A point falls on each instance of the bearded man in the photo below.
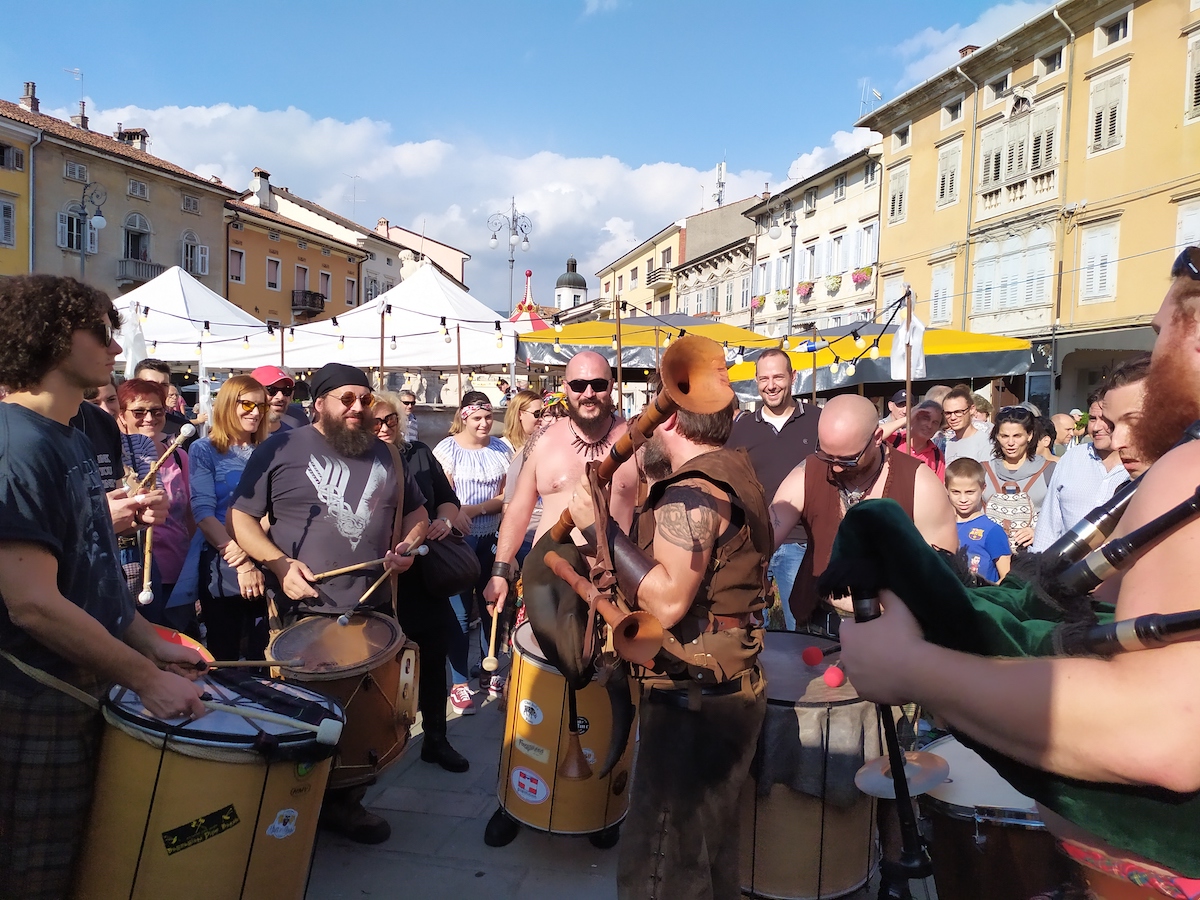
(555, 458)
(330, 491)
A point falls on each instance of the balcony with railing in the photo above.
(658, 278)
(306, 304)
(137, 271)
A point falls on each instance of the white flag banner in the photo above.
(909, 334)
(133, 340)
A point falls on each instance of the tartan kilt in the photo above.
(48, 750)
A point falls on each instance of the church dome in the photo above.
(571, 278)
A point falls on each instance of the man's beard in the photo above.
(655, 462)
(352, 443)
(1171, 404)
(591, 415)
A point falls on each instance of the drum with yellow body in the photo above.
(536, 732)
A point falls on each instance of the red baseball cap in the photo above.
(269, 375)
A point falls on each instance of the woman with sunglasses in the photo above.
(525, 415)
(143, 412)
(1017, 478)
(475, 463)
(428, 620)
(231, 587)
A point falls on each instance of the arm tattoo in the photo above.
(688, 518)
(775, 525)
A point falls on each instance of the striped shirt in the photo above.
(476, 476)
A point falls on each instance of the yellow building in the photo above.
(642, 278)
(16, 184)
(283, 271)
(1042, 186)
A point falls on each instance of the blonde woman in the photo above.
(521, 419)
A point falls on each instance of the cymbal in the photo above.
(924, 771)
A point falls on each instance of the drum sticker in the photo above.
(284, 825)
(304, 769)
(529, 748)
(582, 725)
(590, 756)
(529, 785)
(200, 830)
(531, 712)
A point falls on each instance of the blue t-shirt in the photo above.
(985, 542)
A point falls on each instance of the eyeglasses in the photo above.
(349, 398)
(152, 411)
(955, 413)
(579, 385)
(286, 390)
(408, 402)
(390, 420)
(103, 332)
(1187, 263)
(249, 406)
(845, 462)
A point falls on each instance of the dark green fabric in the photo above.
(878, 546)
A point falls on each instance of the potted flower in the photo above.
(759, 302)
(781, 298)
(804, 289)
(833, 283)
(861, 277)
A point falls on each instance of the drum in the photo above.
(213, 808)
(535, 738)
(807, 831)
(1110, 876)
(371, 670)
(988, 840)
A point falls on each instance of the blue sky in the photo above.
(605, 118)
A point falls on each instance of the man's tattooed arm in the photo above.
(688, 517)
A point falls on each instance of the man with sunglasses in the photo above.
(330, 491)
(554, 461)
(1131, 721)
(66, 621)
(408, 400)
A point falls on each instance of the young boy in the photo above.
(985, 542)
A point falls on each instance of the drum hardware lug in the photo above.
(373, 758)
(980, 839)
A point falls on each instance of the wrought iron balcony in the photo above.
(137, 271)
(306, 304)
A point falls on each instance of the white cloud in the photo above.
(593, 208)
(841, 145)
(930, 51)
(591, 7)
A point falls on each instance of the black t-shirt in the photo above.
(101, 429)
(429, 476)
(51, 494)
(326, 510)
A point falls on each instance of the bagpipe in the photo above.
(570, 602)
(1042, 609)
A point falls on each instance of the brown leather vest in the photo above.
(823, 513)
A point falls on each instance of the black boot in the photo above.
(436, 749)
(893, 884)
(342, 811)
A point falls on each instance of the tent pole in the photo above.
(382, 383)
(814, 364)
(281, 340)
(908, 306)
(620, 375)
(458, 342)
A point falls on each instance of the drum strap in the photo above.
(398, 464)
(50, 681)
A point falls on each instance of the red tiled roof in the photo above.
(102, 143)
(269, 216)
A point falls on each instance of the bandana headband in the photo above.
(474, 407)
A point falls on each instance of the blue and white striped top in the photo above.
(476, 475)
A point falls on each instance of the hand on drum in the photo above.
(168, 696)
(880, 653)
(397, 560)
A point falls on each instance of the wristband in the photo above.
(502, 570)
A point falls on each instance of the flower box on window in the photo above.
(781, 298)
(804, 289)
(833, 283)
(861, 277)
(759, 302)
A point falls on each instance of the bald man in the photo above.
(1064, 432)
(555, 458)
(852, 464)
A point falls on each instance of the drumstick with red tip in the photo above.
(813, 656)
(834, 676)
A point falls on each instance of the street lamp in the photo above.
(774, 232)
(518, 228)
(94, 195)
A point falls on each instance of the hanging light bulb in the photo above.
(851, 369)
(614, 342)
(447, 338)
(874, 351)
(666, 342)
(336, 325)
(557, 324)
(443, 326)
(858, 340)
(834, 367)
(153, 347)
(197, 348)
(206, 334)
(342, 343)
(189, 370)
(393, 344)
(246, 342)
(388, 310)
(741, 355)
(142, 313)
(291, 335)
(557, 345)
(547, 368)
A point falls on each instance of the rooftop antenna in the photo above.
(702, 196)
(77, 74)
(353, 195)
(868, 98)
(719, 195)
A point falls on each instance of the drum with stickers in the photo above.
(371, 670)
(530, 789)
(223, 806)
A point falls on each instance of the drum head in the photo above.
(527, 643)
(791, 682)
(331, 651)
(973, 784)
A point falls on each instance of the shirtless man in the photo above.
(554, 461)
(1081, 717)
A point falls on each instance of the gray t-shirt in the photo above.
(976, 444)
(1037, 489)
(326, 510)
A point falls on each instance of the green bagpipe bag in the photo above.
(877, 546)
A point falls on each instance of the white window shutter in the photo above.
(1187, 232)
(64, 226)
(202, 259)
(1193, 84)
(8, 224)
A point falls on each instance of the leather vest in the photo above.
(822, 515)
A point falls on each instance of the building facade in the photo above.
(570, 290)
(156, 214)
(643, 278)
(451, 260)
(1042, 186)
(16, 192)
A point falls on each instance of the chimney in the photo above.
(382, 226)
(260, 188)
(81, 120)
(138, 138)
(967, 51)
(29, 99)
(766, 195)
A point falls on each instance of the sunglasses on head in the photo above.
(349, 398)
(390, 420)
(1187, 263)
(286, 389)
(1015, 413)
(845, 462)
(579, 385)
(249, 406)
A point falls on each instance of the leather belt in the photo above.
(741, 620)
(679, 696)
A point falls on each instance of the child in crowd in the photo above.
(985, 542)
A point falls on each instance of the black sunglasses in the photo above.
(408, 402)
(846, 462)
(1014, 414)
(286, 390)
(103, 332)
(579, 385)
(1187, 263)
(390, 420)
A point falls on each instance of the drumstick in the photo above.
(490, 664)
(344, 618)
(419, 550)
(204, 665)
(146, 597)
(328, 732)
(184, 433)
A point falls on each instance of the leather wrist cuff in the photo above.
(502, 570)
(632, 563)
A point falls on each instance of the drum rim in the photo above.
(528, 655)
(786, 703)
(348, 671)
(993, 815)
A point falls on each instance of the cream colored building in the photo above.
(714, 277)
(642, 279)
(451, 260)
(156, 213)
(1042, 186)
(816, 249)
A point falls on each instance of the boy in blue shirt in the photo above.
(984, 541)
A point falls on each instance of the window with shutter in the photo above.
(729, 296)
(202, 260)
(985, 280)
(1099, 250)
(1042, 142)
(1108, 128)
(992, 150)
(1187, 229)
(939, 301)
(897, 206)
(8, 225)
(1193, 80)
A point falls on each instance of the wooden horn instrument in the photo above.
(574, 765)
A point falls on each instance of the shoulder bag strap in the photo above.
(50, 681)
(1036, 475)
(398, 524)
(987, 467)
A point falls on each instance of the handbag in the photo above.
(450, 567)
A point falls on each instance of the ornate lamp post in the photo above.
(94, 196)
(789, 212)
(518, 228)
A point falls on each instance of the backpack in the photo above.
(1010, 506)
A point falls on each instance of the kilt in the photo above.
(48, 750)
